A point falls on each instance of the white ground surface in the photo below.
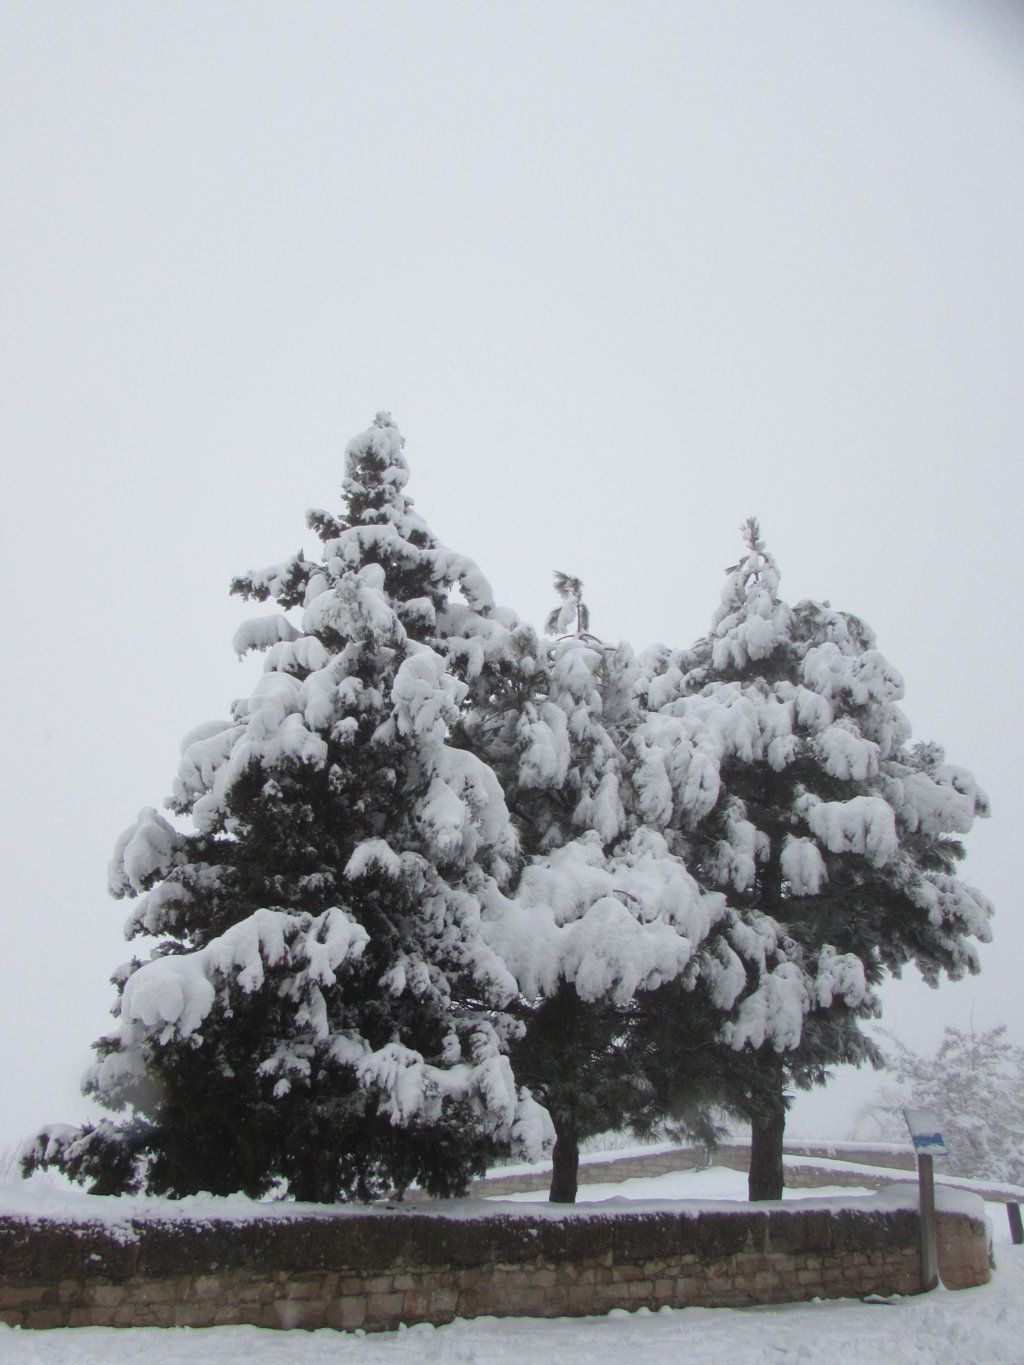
(710, 1186)
(971, 1326)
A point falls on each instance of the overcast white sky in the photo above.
(625, 273)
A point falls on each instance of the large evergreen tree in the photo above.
(605, 911)
(787, 764)
(321, 1011)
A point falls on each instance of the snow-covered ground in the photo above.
(708, 1186)
(970, 1327)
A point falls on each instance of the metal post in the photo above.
(929, 1238)
(1016, 1227)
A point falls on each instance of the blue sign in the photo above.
(925, 1131)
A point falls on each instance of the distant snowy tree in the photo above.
(975, 1084)
(776, 747)
(322, 1008)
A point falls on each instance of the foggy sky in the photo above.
(624, 273)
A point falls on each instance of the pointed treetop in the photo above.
(753, 581)
(751, 529)
(374, 463)
(750, 620)
(378, 525)
(572, 616)
(757, 564)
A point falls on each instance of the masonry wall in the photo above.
(382, 1268)
(660, 1162)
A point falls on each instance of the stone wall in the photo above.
(377, 1269)
(660, 1161)
(593, 1172)
(861, 1153)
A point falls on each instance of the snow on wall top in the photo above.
(29, 1201)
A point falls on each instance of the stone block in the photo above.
(20, 1296)
(126, 1315)
(584, 1302)
(345, 1314)
(691, 1289)
(80, 1317)
(234, 1314)
(193, 1314)
(150, 1291)
(759, 1264)
(520, 1302)
(384, 1308)
(103, 1295)
(377, 1284)
(963, 1251)
(53, 1316)
(247, 1299)
(292, 1313)
(720, 1270)
(306, 1287)
(416, 1306)
(265, 1316)
(615, 1292)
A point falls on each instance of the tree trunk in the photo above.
(767, 1128)
(313, 1187)
(565, 1160)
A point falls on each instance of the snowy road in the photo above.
(970, 1327)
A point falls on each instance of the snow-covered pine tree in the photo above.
(604, 910)
(321, 1009)
(781, 753)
